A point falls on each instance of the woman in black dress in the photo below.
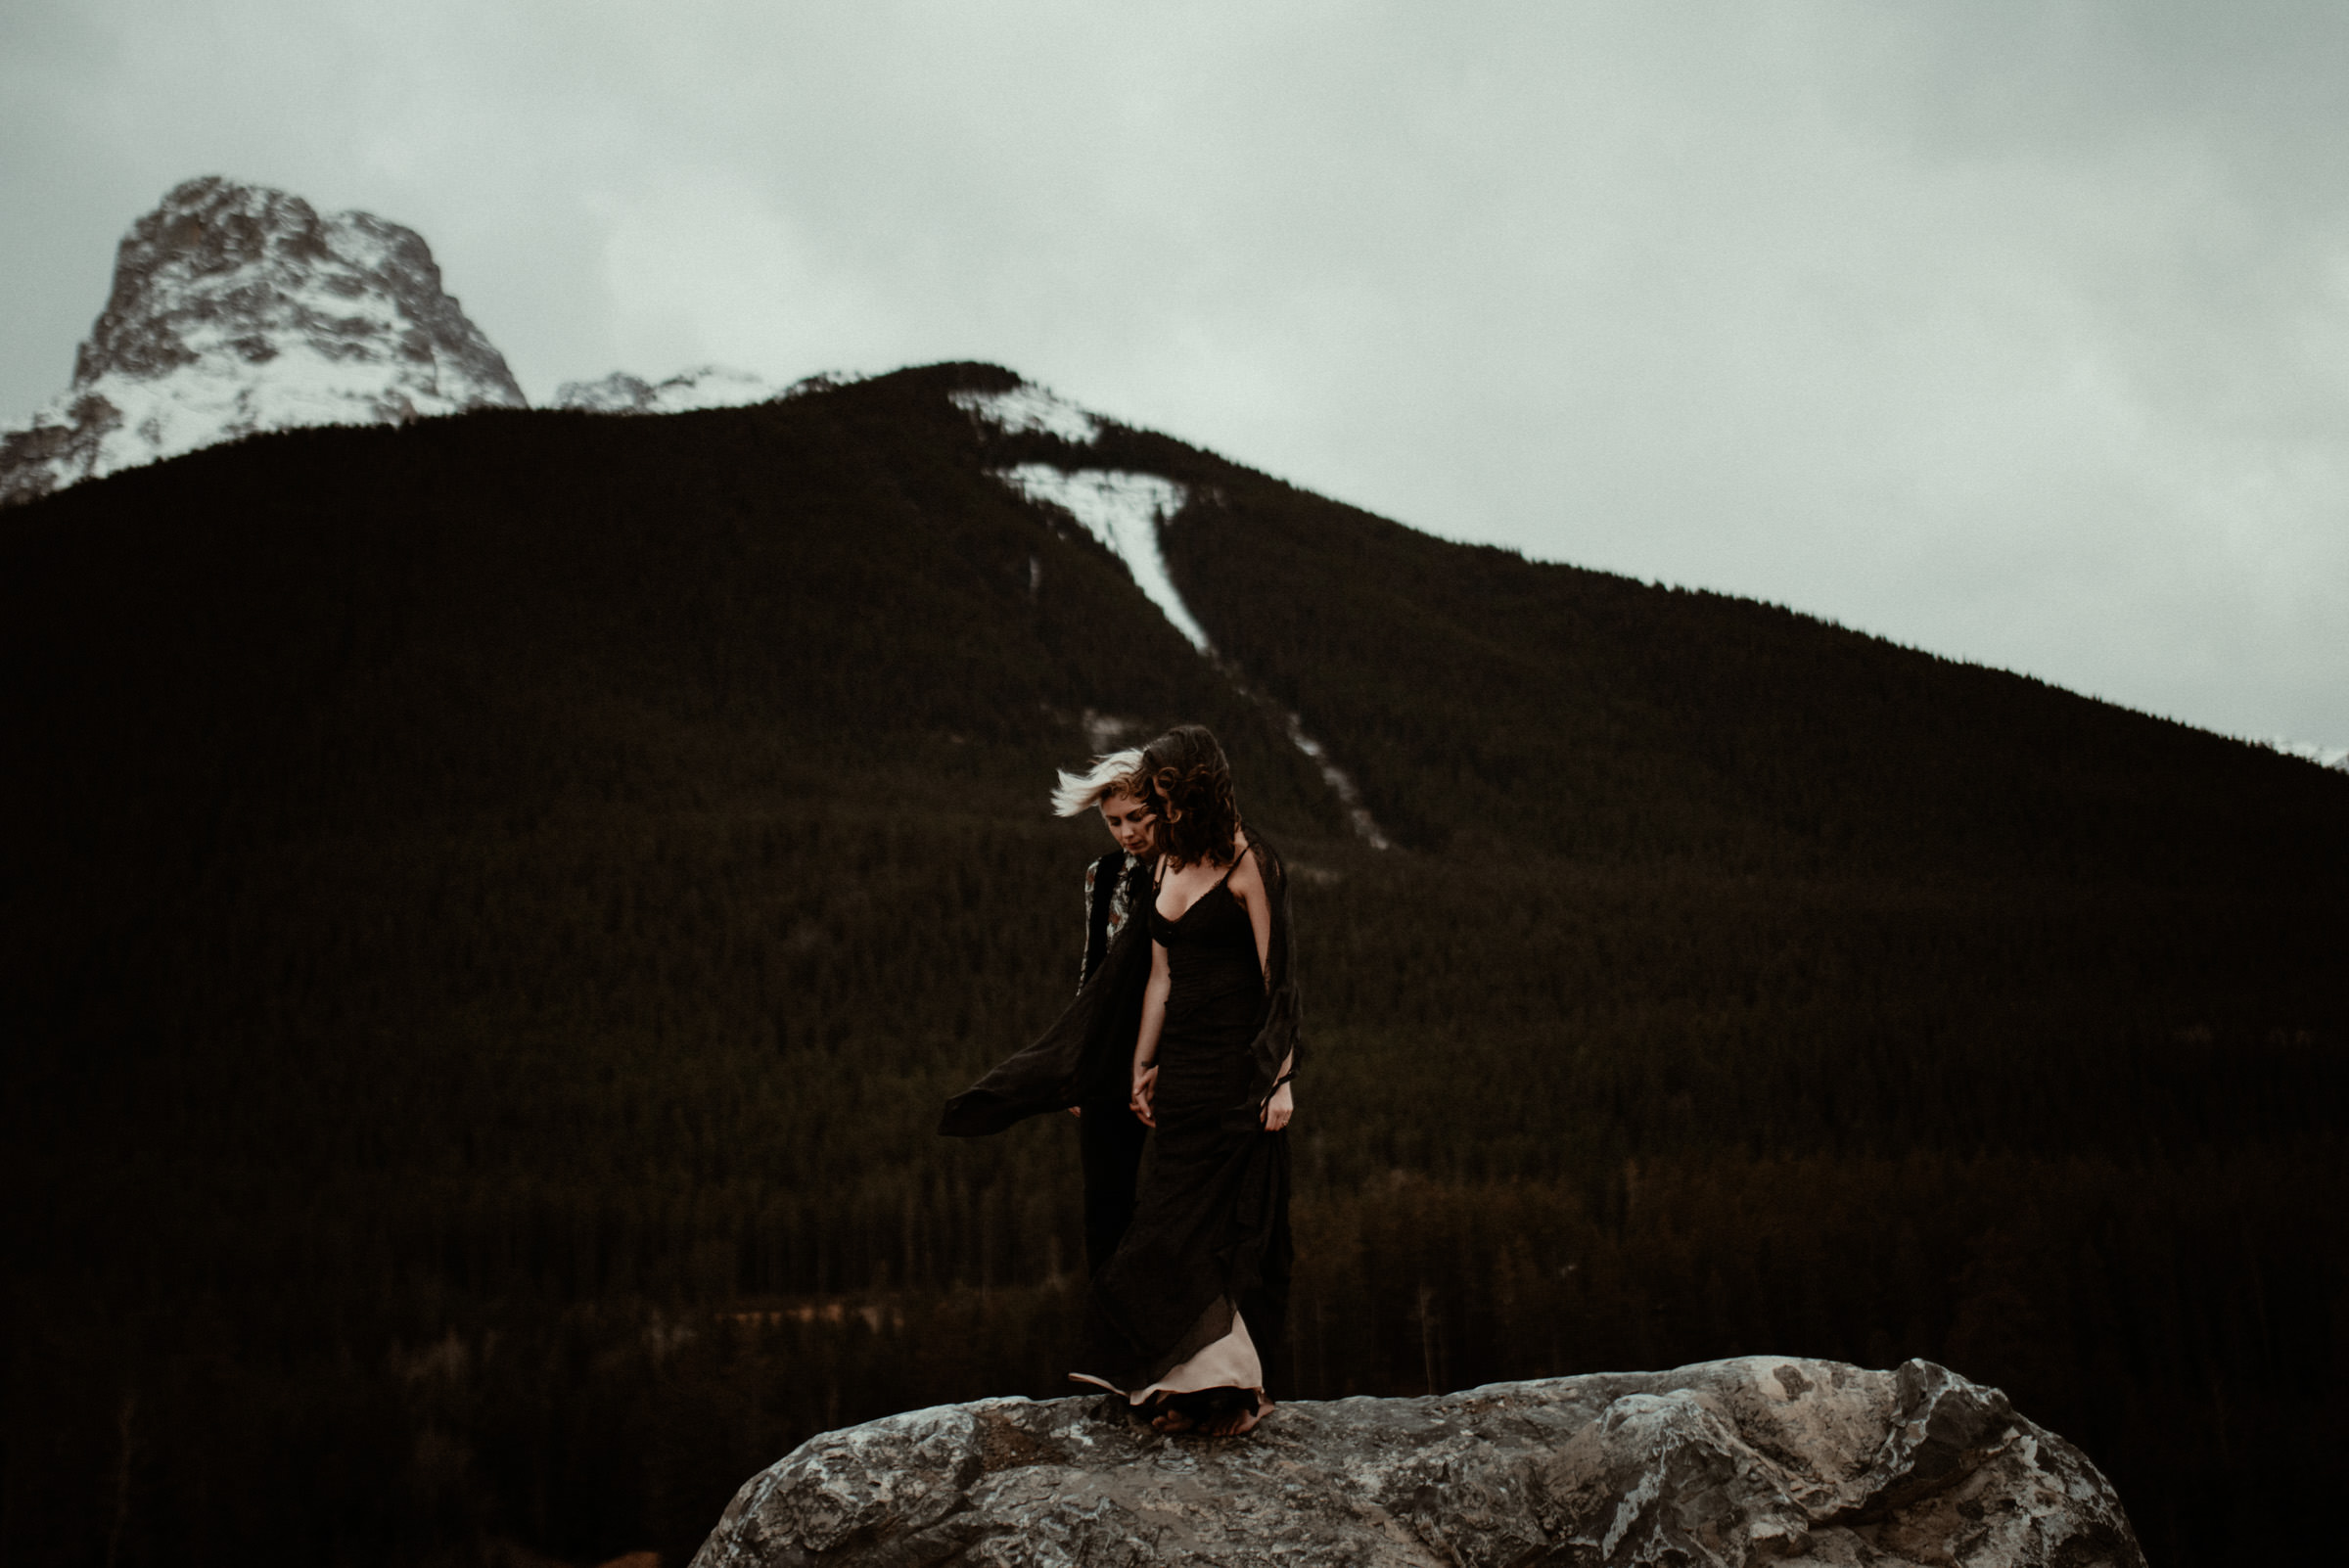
(1198, 1014)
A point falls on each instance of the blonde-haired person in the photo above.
(1112, 787)
(1111, 1136)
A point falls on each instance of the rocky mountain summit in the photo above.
(239, 308)
(1764, 1458)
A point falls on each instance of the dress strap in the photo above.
(1246, 850)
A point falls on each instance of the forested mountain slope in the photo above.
(495, 903)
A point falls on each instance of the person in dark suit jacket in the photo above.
(1110, 1136)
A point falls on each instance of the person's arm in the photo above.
(1145, 1044)
(1248, 885)
(1282, 1104)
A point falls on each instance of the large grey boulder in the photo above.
(1761, 1459)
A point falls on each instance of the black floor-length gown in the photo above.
(1209, 1238)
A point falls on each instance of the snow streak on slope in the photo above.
(1030, 407)
(1340, 784)
(1122, 511)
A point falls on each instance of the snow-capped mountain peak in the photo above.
(703, 387)
(237, 308)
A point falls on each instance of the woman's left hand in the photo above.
(1279, 1108)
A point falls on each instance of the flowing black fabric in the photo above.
(1087, 1053)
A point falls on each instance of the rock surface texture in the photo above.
(1761, 1459)
(237, 308)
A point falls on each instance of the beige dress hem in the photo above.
(1227, 1362)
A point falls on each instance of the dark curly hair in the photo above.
(1190, 789)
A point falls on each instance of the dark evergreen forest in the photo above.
(493, 907)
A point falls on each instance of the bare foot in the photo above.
(1239, 1422)
(1171, 1422)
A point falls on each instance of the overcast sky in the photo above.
(2016, 332)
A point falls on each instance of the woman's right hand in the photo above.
(1145, 1084)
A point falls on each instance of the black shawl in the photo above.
(1086, 1056)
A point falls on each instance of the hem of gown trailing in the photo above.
(1230, 1362)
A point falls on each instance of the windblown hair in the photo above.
(1190, 785)
(1118, 774)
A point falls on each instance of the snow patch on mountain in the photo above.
(1028, 408)
(1340, 784)
(1124, 512)
(824, 381)
(703, 387)
(237, 308)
